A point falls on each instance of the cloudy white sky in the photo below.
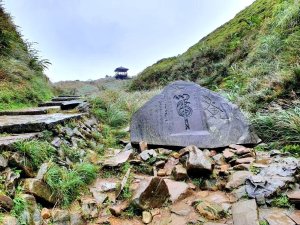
(87, 39)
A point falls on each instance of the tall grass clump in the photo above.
(281, 126)
(67, 184)
(114, 109)
(37, 151)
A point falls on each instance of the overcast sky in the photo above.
(87, 39)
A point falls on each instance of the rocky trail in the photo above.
(141, 184)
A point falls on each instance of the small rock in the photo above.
(60, 216)
(242, 167)
(240, 150)
(239, 193)
(179, 172)
(228, 154)
(247, 160)
(9, 220)
(279, 219)
(245, 213)
(260, 200)
(161, 172)
(177, 190)
(294, 197)
(143, 146)
(275, 152)
(147, 217)
(23, 163)
(219, 159)
(3, 162)
(160, 164)
(117, 210)
(42, 171)
(198, 163)
(169, 166)
(45, 213)
(39, 189)
(176, 155)
(237, 179)
(147, 154)
(89, 208)
(209, 210)
(31, 213)
(5, 202)
(152, 193)
(118, 159)
(56, 142)
(164, 151)
(295, 216)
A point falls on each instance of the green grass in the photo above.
(19, 205)
(281, 201)
(281, 126)
(20, 68)
(69, 184)
(254, 58)
(37, 151)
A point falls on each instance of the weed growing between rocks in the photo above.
(38, 151)
(67, 184)
(282, 201)
(19, 205)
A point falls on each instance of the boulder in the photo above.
(176, 189)
(198, 163)
(152, 193)
(188, 114)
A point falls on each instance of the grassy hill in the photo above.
(22, 82)
(90, 88)
(254, 58)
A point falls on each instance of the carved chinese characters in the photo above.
(187, 114)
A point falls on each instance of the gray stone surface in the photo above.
(7, 141)
(245, 213)
(187, 114)
(33, 123)
(31, 111)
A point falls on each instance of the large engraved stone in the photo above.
(187, 114)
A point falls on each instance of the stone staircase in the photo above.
(16, 125)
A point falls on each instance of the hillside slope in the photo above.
(254, 57)
(22, 82)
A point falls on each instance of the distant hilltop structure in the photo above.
(121, 73)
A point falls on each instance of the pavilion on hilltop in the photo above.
(121, 73)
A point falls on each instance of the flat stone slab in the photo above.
(65, 98)
(7, 141)
(31, 111)
(188, 114)
(33, 123)
(245, 213)
(64, 105)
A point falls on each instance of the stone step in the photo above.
(65, 105)
(33, 123)
(7, 141)
(62, 99)
(69, 96)
(32, 111)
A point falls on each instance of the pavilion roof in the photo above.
(121, 69)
